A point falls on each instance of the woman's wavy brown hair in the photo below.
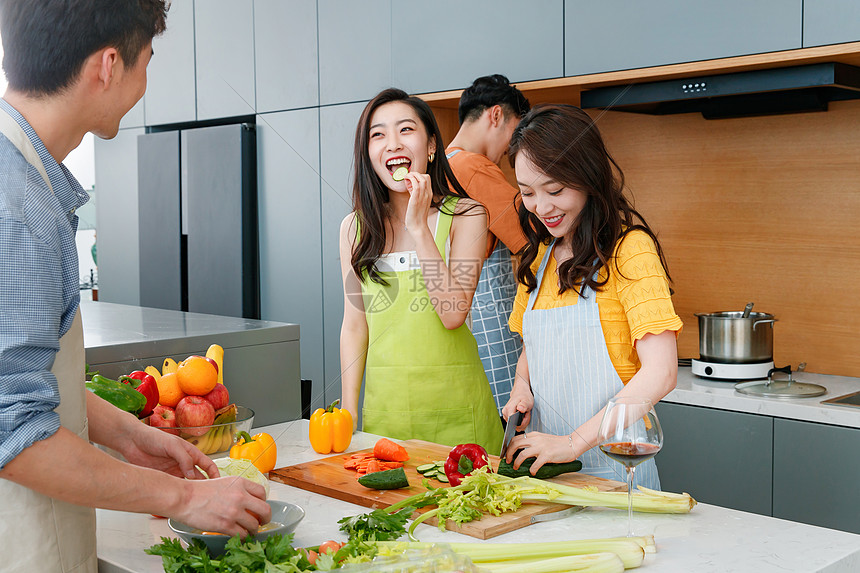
(369, 193)
(563, 143)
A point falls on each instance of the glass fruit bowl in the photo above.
(221, 435)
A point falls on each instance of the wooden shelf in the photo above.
(567, 90)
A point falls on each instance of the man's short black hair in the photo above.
(46, 42)
(487, 91)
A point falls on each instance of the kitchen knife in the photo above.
(511, 431)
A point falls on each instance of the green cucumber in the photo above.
(546, 471)
(387, 479)
(426, 468)
(442, 477)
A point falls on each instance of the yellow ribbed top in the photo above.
(633, 303)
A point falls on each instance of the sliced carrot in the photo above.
(387, 450)
(373, 466)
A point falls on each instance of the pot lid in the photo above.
(781, 388)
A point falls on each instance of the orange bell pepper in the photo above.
(259, 450)
(330, 429)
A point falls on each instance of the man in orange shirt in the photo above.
(489, 111)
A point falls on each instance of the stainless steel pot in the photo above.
(729, 338)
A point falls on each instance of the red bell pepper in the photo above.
(464, 459)
(146, 385)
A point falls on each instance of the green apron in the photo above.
(423, 381)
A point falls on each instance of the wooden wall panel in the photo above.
(762, 209)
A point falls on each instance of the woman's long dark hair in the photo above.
(563, 143)
(369, 193)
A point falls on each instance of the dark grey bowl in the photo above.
(287, 514)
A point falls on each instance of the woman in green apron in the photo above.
(411, 254)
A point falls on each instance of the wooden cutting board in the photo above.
(328, 477)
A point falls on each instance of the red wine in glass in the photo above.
(630, 454)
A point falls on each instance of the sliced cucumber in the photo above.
(426, 468)
(442, 477)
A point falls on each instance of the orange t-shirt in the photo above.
(632, 303)
(484, 181)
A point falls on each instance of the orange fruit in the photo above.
(196, 376)
(169, 391)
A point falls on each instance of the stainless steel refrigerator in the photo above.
(198, 220)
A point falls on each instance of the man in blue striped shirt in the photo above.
(75, 68)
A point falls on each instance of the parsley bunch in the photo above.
(378, 525)
(274, 554)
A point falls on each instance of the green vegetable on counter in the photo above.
(120, 395)
(546, 471)
(274, 553)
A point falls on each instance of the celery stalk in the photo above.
(631, 550)
(591, 563)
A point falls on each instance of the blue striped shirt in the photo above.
(39, 288)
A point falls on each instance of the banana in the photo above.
(226, 439)
(153, 371)
(170, 366)
(216, 353)
(202, 443)
(215, 440)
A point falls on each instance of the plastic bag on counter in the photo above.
(434, 559)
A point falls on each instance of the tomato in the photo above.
(312, 556)
(329, 547)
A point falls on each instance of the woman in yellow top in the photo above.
(593, 304)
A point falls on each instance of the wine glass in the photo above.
(630, 433)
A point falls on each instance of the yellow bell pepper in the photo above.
(259, 450)
(330, 429)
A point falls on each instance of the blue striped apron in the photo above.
(498, 346)
(572, 376)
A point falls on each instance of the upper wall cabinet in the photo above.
(830, 22)
(354, 49)
(609, 35)
(171, 91)
(446, 44)
(285, 47)
(224, 35)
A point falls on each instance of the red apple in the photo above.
(164, 417)
(194, 415)
(218, 397)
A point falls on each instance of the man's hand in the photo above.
(156, 449)
(230, 505)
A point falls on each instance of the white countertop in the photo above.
(710, 538)
(695, 391)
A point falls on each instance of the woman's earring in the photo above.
(431, 157)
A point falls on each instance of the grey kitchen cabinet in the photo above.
(445, 45)
(719, 457)
(815, 472)
(337, 128)
(224, 44)
(609, 35)
(116, 208)
(286, 55)
(159, 211)
(830, 22)
(171, 91)
(291, 279)
(354, 49)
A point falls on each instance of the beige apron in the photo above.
(38, 533)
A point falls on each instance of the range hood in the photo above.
(741, 94)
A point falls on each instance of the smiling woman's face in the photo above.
(397, 138)
(557, 206)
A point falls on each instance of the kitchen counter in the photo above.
(695, 391)
(710, 538)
